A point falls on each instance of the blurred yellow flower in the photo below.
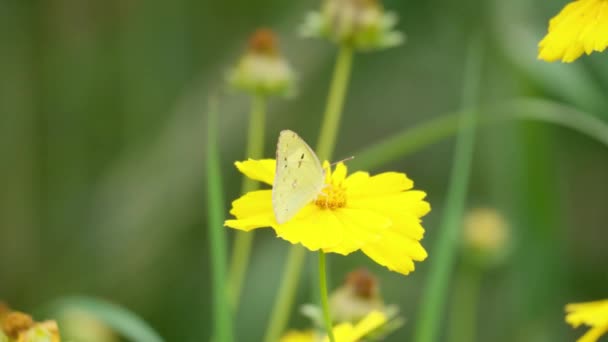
(345, 332)
(581, 26)
(378, 214)
(20, 327)
(486, 236)
(298, 336)
(593, 314)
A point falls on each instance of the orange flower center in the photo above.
(332, 197)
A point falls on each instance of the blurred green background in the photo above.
(102, 133)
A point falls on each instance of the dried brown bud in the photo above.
(262, 70)
(364, 284)
(263, 41)
(16, 322)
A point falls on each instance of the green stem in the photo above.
(324, 301)
(217, 238)
(243, 241)
(335, 103)
(327, 139)
(429, 320)
(286, 295)
(463, 318)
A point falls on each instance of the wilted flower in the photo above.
(358, 296)
(379, 215)
(592, 314)
(581, 26)
(486, 236)
(361, 24)
(20, 327)
(262, 70)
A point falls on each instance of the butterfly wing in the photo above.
(299, 176)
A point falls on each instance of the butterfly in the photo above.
(299, 176)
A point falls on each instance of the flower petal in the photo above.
(362, 185)
(339, 173)
(260, 170)
(252, 210)
(594, 334)
(590, 313)
(395, 251)
(404, 209)
(362, 227)
(581, 27)
(312, 227)
(346, 332)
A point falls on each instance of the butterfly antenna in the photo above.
(343, 160)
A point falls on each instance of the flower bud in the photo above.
(358, 296)
(361, 24)
(20, 327)
(262, 70)
(486, 237)
(15, 323)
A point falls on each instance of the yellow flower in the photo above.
(582, 26)
(593, 314)
(379, 215)
(345, 332)
(298, 336)
(20, 327)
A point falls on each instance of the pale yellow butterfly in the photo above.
(299, 177)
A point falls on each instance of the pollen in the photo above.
(332, 197)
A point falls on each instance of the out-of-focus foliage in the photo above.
(102, 133)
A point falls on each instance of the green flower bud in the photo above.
(262, 70)
(486, 237)
(362, 24)
(358, 296)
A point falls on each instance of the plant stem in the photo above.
(217, 238)
(463, 317)
(324, 301)
(325, 147)
(429, 320)
(335, 103)
(243, 241)
(286, 295)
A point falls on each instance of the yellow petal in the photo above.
(298, 336)
(361, 227)
(590, 313)
(252, 210)
(395, 251)
(339, 173)
(260, 170)
(404, 209)
(593, 334)
(371, 322)
(346, 332)
(362, 185)
(313, 227)
(580, 27)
